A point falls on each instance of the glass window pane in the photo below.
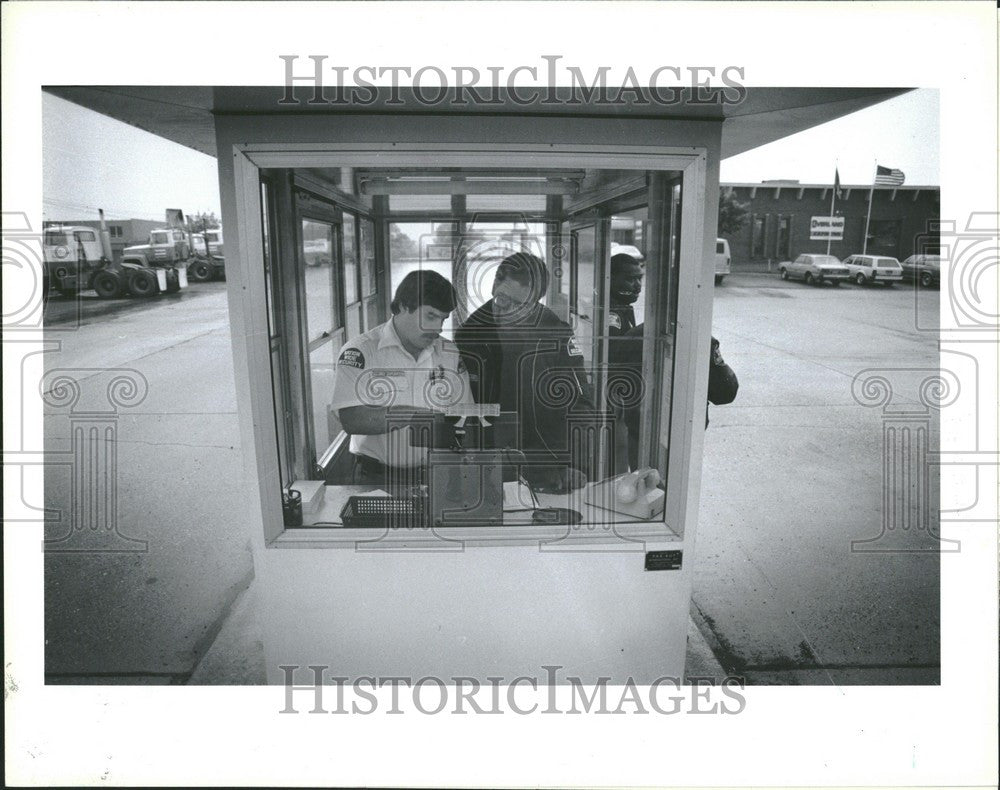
(369, 276)
(317, 246)
(583, 309)
(483, 245)
(534, 204)
(757, 250)
(415, 246)
(784, 228)
(437, 203)
(350, 261)
(628, 234)
(265, 224)
(282, 417)
(324, 423)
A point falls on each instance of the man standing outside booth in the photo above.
(520, 355)
(626, 285)
(400, 375)
(625, 354)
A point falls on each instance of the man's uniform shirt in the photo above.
(621, 319)
(375, 370)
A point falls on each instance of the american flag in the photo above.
(888, 177)
(836, 183)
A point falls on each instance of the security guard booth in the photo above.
(325, 210)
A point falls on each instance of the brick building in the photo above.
(777, 226)
(124, 232)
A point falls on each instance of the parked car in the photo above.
(316, 252)
(925, 269)
(723, 261)
(814, 269)
(868, 269)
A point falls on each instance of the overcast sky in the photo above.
(92, 161)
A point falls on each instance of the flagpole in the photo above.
(833, 195)
(871, 194)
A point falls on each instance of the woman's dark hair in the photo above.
(424, 288)
(526, 269)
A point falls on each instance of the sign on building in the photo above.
(826, 229)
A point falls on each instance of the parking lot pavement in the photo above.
(793, 475)
(87, 307)
(145, 607)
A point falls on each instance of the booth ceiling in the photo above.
(186, 115)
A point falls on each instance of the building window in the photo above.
(884, 236)
(115, 231)
(783, 242)
(758, 231)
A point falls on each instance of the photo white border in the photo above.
(804, 736)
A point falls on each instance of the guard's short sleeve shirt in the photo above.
(374, 369)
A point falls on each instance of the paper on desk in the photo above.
(516, 496)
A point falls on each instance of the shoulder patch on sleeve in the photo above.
(572, 348)
(351, 358)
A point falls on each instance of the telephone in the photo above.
(634, 494)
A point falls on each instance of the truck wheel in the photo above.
(200, 271)
(860, 279)
(142, 283)
(107, 285)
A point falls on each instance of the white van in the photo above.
(723, 262)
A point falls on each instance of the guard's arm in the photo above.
(722, 382)
(372, 420)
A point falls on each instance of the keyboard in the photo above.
(382, 512)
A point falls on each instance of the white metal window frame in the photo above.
(245, 272)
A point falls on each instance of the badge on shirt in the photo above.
(615, 321)
(572, 348)
(352, 358)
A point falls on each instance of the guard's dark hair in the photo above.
(526, 269)
(621, 260)
(424, 288)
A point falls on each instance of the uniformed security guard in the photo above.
(399, 375)
(521, 355)
(625, 380)
(626, 284)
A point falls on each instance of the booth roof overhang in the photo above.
(186, 114)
